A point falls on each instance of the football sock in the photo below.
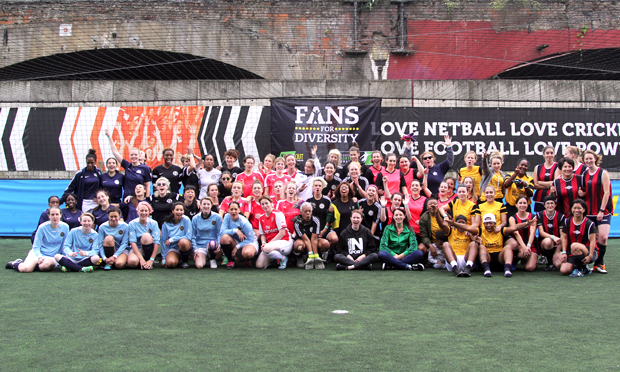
(453, 263)
(276, 255)
(16, 265)
(227, 249)
(148, 250)
(70, 264)
(470, 263)
(507, 267)
(184, 256)
(602, 248)
(485, 266)
(108, 251)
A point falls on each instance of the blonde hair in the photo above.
(473, 153)
(166, 181)
(599, 158)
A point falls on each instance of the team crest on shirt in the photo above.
(576, 232)
(150, 231)
(213, 176)
(371, 213)
(213, 223)
(175, 173)
(568, 187)
(116, 182)
(169, 201)
(550, 225)
(321, 206)
(333, 187)
(120, 232)
(547, 174)
(182, 228)
(139, 171)
(90, 240)
(434, 173)
(62, 234)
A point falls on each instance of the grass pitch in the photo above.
(271, 320)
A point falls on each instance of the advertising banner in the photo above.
(299, 124)
(516, 132)
(48, 139)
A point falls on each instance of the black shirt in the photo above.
(309, 228)
(162, 206)
(320, 209)
(173, 174)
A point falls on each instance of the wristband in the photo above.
(552, 236)
(563, 252)
(529, 245)
(601, 210)
(152, 259)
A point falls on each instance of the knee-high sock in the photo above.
(602, 248)
(184, 255)
(578, 259)
(108, 251)
(276, 255)
(70, 264)
(227, 249)
(147, 250)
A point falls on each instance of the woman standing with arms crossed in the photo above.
(544, 174)
(135, 172)
(85, 184)
(597, 187)
(113, 181)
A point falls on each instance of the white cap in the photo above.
(489, 217)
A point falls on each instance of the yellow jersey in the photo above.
(465, 209)
(498, 182)
(493, 242)
(459, 241)
(475, 173)
(496, 208)
(513, 192)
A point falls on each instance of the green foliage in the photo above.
(502, 4)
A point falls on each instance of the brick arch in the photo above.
(124, 64)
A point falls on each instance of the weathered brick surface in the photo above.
(274, 39)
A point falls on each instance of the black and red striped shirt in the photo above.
(524, 232)
(578, 233)
(566, 191)
(553, 225)
(593, 186)
(544, 174)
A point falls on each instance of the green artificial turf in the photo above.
(273, 320)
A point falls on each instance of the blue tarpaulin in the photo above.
(23, 201)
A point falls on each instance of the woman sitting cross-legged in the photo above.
(81, 247)
(399, 247)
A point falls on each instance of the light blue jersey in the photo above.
(136, 230)
(77, 240)
(48, 242)
(120, 234)
(174, 233)
(229, 227)
(205, 229)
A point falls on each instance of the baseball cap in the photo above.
(489, 217)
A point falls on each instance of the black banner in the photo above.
(516, 132)
(299, 124)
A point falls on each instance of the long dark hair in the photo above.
(405, 221)
(170, 217)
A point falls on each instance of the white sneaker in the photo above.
(319, 265)
(300, 262)
(213, 264)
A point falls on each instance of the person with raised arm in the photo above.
(135, 172)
